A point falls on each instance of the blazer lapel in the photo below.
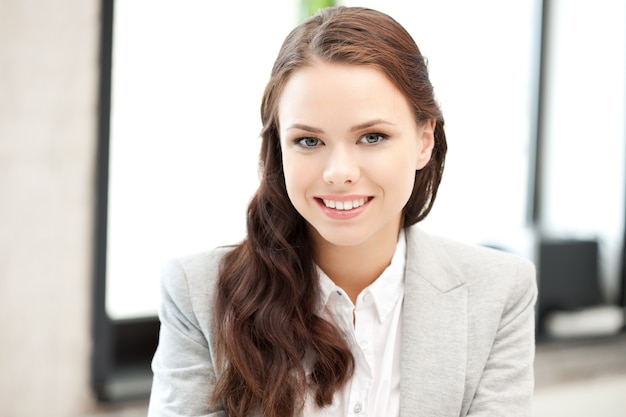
(434, 326)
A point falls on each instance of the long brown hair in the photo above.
(268, 331)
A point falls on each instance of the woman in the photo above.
(336, 303)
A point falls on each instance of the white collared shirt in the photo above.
(375, 339)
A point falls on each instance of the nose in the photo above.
(342, 167)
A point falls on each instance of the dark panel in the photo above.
(568, 276)
(102, 346)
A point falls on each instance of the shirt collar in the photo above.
(384, 291)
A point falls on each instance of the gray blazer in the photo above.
(468, 333)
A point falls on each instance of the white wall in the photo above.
(48, 114)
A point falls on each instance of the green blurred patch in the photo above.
(310, 7)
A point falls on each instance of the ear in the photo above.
(426, 143)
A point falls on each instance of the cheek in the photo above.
(398, 173)
(400, 166)
(297, 176)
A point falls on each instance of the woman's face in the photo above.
(350, 147)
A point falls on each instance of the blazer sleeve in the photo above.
(183, 373)
(507, 382)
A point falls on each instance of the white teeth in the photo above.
(345, 205)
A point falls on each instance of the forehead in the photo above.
(324, 91)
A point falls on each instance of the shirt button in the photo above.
(357, 408)
(363, 345)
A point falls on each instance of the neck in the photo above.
(353, 268)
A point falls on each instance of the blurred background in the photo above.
(129, 134)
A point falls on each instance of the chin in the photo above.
(337, 237)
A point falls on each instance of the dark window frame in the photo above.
(122, 349)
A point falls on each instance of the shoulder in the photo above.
(490, 272)
(196, 268)
(190, 281)
(482, 259)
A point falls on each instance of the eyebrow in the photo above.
(370, 123)
(305, 127)
(354, 128)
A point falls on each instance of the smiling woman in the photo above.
(336, 302)
(360, 166)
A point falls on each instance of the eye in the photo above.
(372, 138)
(308, 142)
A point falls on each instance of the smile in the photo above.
(345, 205)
